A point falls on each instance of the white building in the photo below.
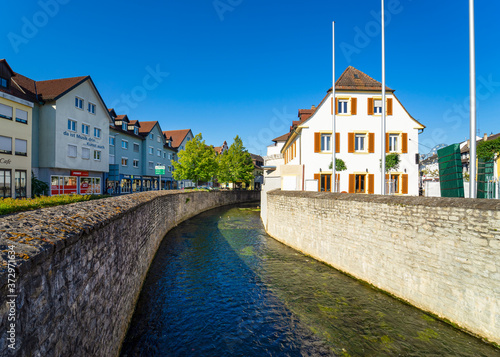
(307, 152)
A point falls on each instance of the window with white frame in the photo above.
(124, 144)
(151, 150)
(71, 150)
(124, 126)
(151, 165)
(21, 116)
(377, 106)
(5, 112)
(91, 108)
(124, 161)
(151, 136)
(360, 142)
(97, 155)
(85, 153)
(158, 139)
(343, 104)
(5, 145)
(393, 142)
(136, 147)
(158, 153)
(326, 142)
(21, 147)
(97, 132)
(79, 103)
(136, 163)
(71, 125)
(111, 141)
(85, 129)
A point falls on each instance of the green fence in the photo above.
(486, 186)
(450, 171)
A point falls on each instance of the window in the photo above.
(151, 150)
(20, 183)
(359, 142)
(342, 106)
(71, 125)
(124, 161)
(360, 183)
(151, 165)
(5, 145)
(136, 163)
(5, 112)
(21, 147)
(21, 116)
(85, 129)
(158, 139)
(124, 126)
(5, 182)
(111, 141)
(124, 144)
(3, 82)
(97, 132)
(158, 153)
(91, 108)
(136, 130)
(97, 155)
(86, 153)
(136, 147)
(170, 156)
(72, 150)
(151, 136)
(325, 142)
(79, 103)
(393, 142)
(164, 155)
(377, 106)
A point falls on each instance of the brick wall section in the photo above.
(81, 267)
(439, 254)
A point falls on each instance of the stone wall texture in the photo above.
(439, 254)
(80, 267)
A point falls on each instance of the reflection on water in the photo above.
(220, 286)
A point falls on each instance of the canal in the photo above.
(220, 286)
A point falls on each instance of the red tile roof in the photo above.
(177, 136)
(354, 79)
(123, 117)
(283, 137)
(146, 127)
(22, 87)
(55, 88)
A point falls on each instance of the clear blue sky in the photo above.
(245, 67)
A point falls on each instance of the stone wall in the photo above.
(439, 254)
(80, 268)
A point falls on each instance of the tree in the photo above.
(196, 162)
(339, 165)
(38, 188)
(391, 162)
(236, 164)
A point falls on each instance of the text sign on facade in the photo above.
(159, 170)
(79, 173)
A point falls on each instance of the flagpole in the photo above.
(382, 137)
(334, 176)
(472, 154)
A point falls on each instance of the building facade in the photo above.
(177, 139)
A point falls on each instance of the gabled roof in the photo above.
(4, 61)
(147, 126)
(22, 87)
(112, 112)
(354, 79)
(55, 88)
(177, 136)
(135, 123)
(123, 117)
(283, 137)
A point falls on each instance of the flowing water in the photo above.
(220, 286)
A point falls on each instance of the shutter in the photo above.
(404, 184)
(352, 183)
(370, 106)
(386, 142)
(389, 106)
(371, 142)
(318, 177)
(371, 183)
(317, 142)
(337, 142)
(5, 111)
(404, 143)
(350, 142)
(331, 103)
(354, 106)
(336, 105)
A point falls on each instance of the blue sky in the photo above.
(245, 67)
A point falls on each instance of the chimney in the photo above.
(485, 137)
(313, 107)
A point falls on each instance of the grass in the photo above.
(10, 205)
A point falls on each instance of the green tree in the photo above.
(391, 162)
(236, 164)
(339, 165)
(38, 188)
(197, 162)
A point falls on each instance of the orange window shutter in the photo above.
(317, 142)
(371, 142)
(371, 184)
(370, 106)
(386, 142)
(354, 106)
(331, 103)
(389, 106)
(336, 105)
(404, 184)
(318, 177)
(404, 143)
(350, 142)
(387, 176)
(337, 142)
(352, 183)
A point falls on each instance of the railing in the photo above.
(390, 187)
(273, 157)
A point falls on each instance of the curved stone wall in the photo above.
(80, 268)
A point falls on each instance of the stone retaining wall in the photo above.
(439, 254)
(80, 268)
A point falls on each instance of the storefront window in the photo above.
(5, 183)
(20, 179)
(63, 185)
(125, 185)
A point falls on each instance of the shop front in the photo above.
(77, 182)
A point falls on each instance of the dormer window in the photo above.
(136, 130)
(124, 126)
(4, 83)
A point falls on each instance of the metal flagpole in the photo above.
(334, 176)
(382, 137)
(472, 153)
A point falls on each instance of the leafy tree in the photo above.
(38, 187)
(196, 162)
(236, 164)
(391, 162)
(487, 150)
(339, 165)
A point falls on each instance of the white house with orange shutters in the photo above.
(358, 103)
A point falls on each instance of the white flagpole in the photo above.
(472, 154)
(382, 138)
(334, 176)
